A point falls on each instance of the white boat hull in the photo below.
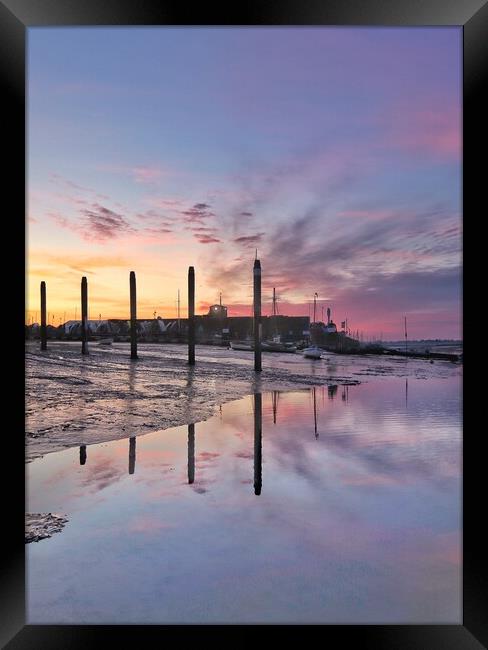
(312, 353)
(246, 347)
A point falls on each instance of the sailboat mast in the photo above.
(406, 336)
(178, 311)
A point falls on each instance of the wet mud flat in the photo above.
(73, 400)
(40, 525)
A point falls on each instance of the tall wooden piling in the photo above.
(84, 315)
(191, 453)
(82, 454)
(43, 317)
(258, 419)
(191, 316)
(257, 314)
(132, 454)
(133, 316)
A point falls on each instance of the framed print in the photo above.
(243, 321)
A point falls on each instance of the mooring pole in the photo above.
(257, 314)
(133, 316)
(82, 454)
(191, 453)
(258, 418)
(43, 317)
(132, 454)
(84, 315)
(191, 316)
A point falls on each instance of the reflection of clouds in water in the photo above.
(202, 484)
(373, 444)
(207, 455)
(100, 473)
(147, 524)
(206, 460)
(347, 520)
(247, 455)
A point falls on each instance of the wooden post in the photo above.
(257, 314)
(191, 453)
(258, 418)
(132, 454)
(191, 316)
(133, 316)
(84, 315)
(82, 454)
(43, 317)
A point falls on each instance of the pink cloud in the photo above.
(434, 131)
(249, 240)
(141, 174)
(163, 203)
(147, 175)
(206, 239)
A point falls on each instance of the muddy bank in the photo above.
(73, 400)
(42, 525)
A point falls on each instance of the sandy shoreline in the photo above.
(73, 400)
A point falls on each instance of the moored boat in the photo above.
(247, 346)
(277, 346)
(313, 352)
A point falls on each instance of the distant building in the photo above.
(213, 327)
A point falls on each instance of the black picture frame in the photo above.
(16, 16)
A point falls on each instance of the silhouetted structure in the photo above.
(258, 421)
(217, 311)
(191, 316)
(132, 454)
(133, 316)
(84, 315)
(43, 317)
(257, 314)
(191, 453)
(82, 454)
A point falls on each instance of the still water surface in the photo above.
(337, 504)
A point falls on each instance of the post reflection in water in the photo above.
(331, 390)
(82, 454)
(274, 400)
(132, 454)
(406, 393)
(315, 412)
(258, 422)
(191, 453)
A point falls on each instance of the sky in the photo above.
(335, 152)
